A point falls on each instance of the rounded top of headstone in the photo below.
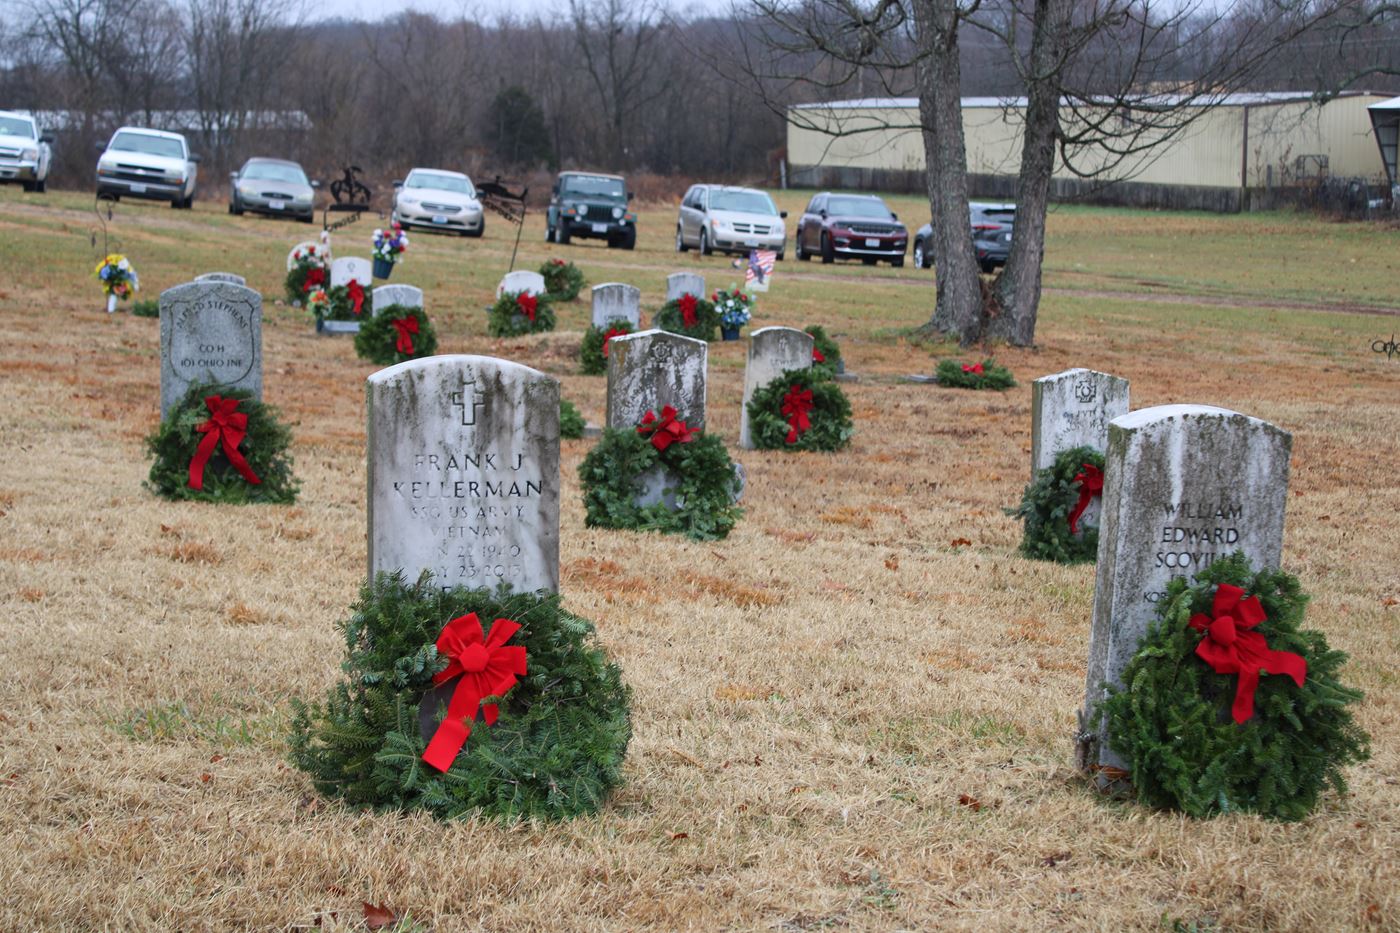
(220, 288)
(518, 371)
(655, 332)
(778, 329)
(1078, 372)
(615, 285)
(1144, 417)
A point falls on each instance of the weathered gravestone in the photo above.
(221, 277)
(1185, 485)
(351, 267)
(772, 351)
(1072, 409)
(408, 296)
(209, 332)
(522, 280)
(652, 369)
(614, 301)
(464, 472)
(685, 283)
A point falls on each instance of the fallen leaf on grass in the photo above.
(377, 918)
(216, 759)
(968, 800)
(892, 563)
(1055, 858)
(206, 777)
(675, 836)
(960, 542)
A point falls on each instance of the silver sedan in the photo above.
(437, 199)
(272, 186)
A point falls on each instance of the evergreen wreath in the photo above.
(699, 472)
(516, 313)
(826, 353)
(381, 340)
(800, 410)
(301, 278)
(337, 302)
(984, 375)
(177, 440)
(1173, 722)
(1047, 504)
(562, 279)
(555, 752)
(672, 317)
(593, 354)
(570, 421)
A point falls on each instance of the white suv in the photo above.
(24, 151)
(144, 163)
(720, 217)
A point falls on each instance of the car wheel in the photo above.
(987, 267)
(680, 241)
(478, 232)
(307, 219)
(629, 239)
(920, 260)
(704, 243)
(781, 255)
(235, 208)
(801, 254)
(27, 186)
(869, 260)
(828, 250)
(561, 233)
(898, 263)
(548, 233)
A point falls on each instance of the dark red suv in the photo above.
(851, 226)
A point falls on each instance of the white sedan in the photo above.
(438, 199)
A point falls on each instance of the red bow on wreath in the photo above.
(796, 404)
(818, 356)
(527, 303)
(612, 332)
(666, 430)
(1229, 646)
(406, 326)
(356, 291)
(314, 276)
(687, 305)
(1090, 480)
(975, 369)
(225, 424)
(489, 668)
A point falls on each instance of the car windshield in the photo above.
(454, 183)
(146, 144)
(274, 171)
(14, 126)
(858, 207)
(746, 202)
(594, 186)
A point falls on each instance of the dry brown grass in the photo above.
(853, 714)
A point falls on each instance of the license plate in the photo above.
(751, 244)
(439, 219)
(138, 189)
(600, 228)
(873, 244)
(1006, 238)
(276, 205)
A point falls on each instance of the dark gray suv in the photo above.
(992, 227)
(588, 205)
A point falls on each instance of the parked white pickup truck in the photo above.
(24, 151)
(152, 164)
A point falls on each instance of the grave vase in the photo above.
(729, 333)
(111, 303)
(383, 267)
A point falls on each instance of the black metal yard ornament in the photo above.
(499, 199)
(350, 195)
(1389, 347)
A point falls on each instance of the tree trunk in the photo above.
(1018, 288)
(958, 307)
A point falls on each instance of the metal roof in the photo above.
(1240, 99)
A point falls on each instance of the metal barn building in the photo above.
(1246, 151)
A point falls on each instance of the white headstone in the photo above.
(210, 332)
(685, 283)
(652, 369)
(1072, 409)
(613, 301)
(772, 352)
(1184, 485)
(408, 296)
(464, 472)
(522, 280)
(346, 268)
(301, 248)
(221, 277)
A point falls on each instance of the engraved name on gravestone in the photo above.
(209, 332)
(614, 301)
(464, 472)
(652, 369)
(772, 351)
(1073, 409)
(685, 283)
(221, 277)
(1185, 485)
(522, 280)
(407, 296)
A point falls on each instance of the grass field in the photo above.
(854, 713)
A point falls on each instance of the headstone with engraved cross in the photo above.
(1072, 409)
(464, 472)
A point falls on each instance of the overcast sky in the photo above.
(378, 9)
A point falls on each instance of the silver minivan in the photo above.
(729, 219)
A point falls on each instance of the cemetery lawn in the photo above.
(855, 712)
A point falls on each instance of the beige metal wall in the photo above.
(1208, 154)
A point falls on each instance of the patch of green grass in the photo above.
(178, 722)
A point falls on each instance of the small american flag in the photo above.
(759, 269)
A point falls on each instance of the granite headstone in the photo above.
(652, 369)
(772, 351)
(685, 283)
(221, 277)
(210, 332)
(522, 280)
(407, 296)
(1073, 409)
(346, 268)
(614, 301)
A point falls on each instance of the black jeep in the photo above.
(592, 206)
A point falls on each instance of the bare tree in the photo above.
(619, 44)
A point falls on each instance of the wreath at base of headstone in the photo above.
(984, 375)
(800, 410)
(341, 302)
(688, 315)
(556, 751)
(826, 353)
(571, 423)
(593, 354)
(212, 445)
(517, 313)
(699, 479)
(301, 279)
(395, 334)
(1180, 724)
(562, 279)
(1053, 503)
